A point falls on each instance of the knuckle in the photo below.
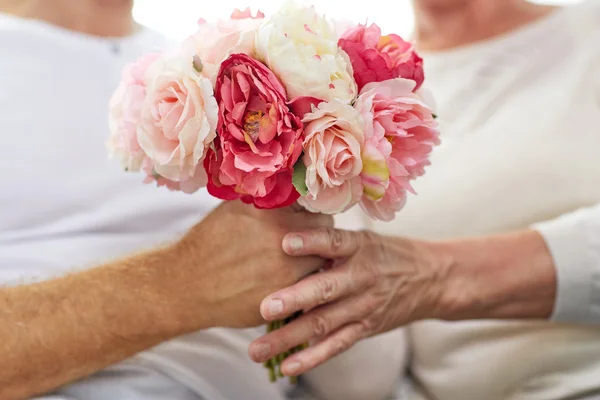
(369, 305)
(340, 345)
(336, 239)
(326, 288)
(365, 327)
(319, 326)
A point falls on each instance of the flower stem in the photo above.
(272, 376)
(274, 364)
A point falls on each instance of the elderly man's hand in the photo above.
(232, 259)
(374, 285)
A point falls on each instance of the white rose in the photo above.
(300, 47)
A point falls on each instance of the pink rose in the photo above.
(214, 42)
(124, 114)
(178, 120)
(377, 58)
(400, 133)
(259, 137)
(332, 155)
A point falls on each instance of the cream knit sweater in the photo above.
(520, 121)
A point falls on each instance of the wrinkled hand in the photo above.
(233, 258)
(375, 284)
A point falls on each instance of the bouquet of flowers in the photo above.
(294, 108)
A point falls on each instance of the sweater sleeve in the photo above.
(574, 243)
(574, 239)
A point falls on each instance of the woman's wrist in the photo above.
(508, 276)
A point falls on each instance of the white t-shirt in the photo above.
(65, 205)
(520, 122)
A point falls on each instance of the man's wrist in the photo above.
(508, 276)
(177, 300)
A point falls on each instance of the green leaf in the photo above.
(434, 116)
(299, 177)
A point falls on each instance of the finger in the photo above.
(316, 324)
(324, 242)
(336, 343)
(315, 290)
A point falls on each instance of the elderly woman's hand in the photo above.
(379, 283)
(375, 284)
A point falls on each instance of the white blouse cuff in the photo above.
(574, 243)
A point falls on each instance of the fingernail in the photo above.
(275, 307)
(261, 350)
(296, 243)
(292, 368)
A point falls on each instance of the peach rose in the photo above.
(332, 155)
(178, 119)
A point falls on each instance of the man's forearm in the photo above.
(510, 276)
(57, 331)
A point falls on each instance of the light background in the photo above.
(177, 18)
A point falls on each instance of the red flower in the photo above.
(259, 138)
(377, 58)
